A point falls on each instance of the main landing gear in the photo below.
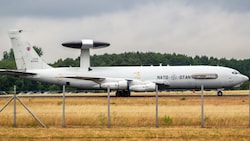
(122, 93)
(219, 93)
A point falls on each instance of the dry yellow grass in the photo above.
(130, 112)
(134, 134)
(226, 118)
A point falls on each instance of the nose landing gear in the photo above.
(219, 93)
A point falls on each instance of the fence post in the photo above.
(156, 106)
(202, 106)
(108, 107)
(249, 107)
(14, 124)
(63, 107)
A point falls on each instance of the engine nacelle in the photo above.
(149, 87)
(86, 44)
(119, 85)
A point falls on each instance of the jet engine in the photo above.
(86, 44)
(143, 87)
(119, 85)
(136, 86)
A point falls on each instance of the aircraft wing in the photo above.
(15, 73)
(125, 83)
(102, 79)
(98, 79)
(95, 79)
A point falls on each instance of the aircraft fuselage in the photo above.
(174, 77)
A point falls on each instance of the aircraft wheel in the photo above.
(122, 93)
(118, 93)
(219, 93)
(127, 93)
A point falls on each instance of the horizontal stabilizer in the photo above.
(15, 73)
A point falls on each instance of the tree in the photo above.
(38, 50)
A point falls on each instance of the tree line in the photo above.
(123, 59)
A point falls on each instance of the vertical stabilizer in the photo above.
(25, 56)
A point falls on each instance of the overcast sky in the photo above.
(218, 28)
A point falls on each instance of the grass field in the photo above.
(136, 134)
(226, 118)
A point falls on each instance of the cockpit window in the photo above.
(235, 72)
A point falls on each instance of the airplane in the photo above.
(123, 80)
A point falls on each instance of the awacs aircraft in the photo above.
(121, 79)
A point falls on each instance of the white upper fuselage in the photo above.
(174, 77)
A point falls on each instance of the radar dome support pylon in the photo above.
(85, 59)
(85, 45)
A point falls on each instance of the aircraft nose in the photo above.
(244, 78)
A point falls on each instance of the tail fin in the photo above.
(25, 56)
